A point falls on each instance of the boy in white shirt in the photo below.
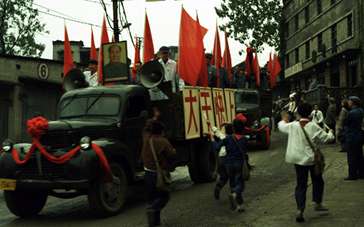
(301, 155)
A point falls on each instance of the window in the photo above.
(296, 22)
(287, 61)
(350, 25)
(308, 50)
(319, 42)
(319, 6)
(307, 14)
(333, 38)
(286, 28)
(296, 55)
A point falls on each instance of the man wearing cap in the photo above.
(211, 70)
(91, 74)
(353, 139)
(170, 69)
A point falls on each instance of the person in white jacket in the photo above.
(317, 115)
(301, 155)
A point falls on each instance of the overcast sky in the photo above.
(164, 19)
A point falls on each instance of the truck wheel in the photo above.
(25, 203)
(202, 164)
(265, 139)
(108, 198)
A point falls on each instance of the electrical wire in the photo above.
(127, 23)
(107, 15)
(55, 11)
(70, 19)
(96, 2)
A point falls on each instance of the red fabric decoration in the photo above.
(36, 128)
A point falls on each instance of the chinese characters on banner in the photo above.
(191, 112)
(219, 106)
(230, 104)
(206, 109)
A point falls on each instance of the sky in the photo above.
(164, 19)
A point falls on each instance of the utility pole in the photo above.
(115, 20)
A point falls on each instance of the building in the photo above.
(29, 87)
(323, 41)
(80, 54)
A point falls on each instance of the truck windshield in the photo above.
(89, 106)
(249, 98)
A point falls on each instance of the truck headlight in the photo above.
(85, 142)
(7, 145)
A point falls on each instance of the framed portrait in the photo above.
(115, 62)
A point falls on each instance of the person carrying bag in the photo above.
(156, 153)
(305, 156)
(319, 158)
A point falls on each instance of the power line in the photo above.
(126, 22)
(55, 11)
(96, 2)
(70, 19)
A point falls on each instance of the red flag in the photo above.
(136, 59)
(276, 70)
(67, 54)
(256, 69)
(93, 52)
(104, 39)
(203, 77)
(248, 62)
(148, 53)
(226, 60)
(189, 63)
(216, 56)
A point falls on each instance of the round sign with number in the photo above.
(43, 72)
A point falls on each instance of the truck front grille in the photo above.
(49, 170)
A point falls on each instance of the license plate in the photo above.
(7, 184)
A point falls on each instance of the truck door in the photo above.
(134, 122)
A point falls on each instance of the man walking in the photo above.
(353, 139)
(301, 155)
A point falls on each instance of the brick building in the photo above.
(323, 40)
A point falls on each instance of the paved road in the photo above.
(268, 198)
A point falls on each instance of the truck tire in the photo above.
(25, 203)
(202, 166)
(108, 198)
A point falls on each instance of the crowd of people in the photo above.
(307, 128)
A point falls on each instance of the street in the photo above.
(269, 199)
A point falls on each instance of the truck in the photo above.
(256, 105)
(111, 117)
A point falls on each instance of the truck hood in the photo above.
(246, 108)
(65, 125)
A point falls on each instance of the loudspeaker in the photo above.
(152, 74)
(74, 79)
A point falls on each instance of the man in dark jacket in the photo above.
(353, 139)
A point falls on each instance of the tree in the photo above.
(254, 21)
(19, 24)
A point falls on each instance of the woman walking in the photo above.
(155, 143)
(300, 153)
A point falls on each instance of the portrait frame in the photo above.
(119, 69)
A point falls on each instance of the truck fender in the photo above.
(117, 151)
